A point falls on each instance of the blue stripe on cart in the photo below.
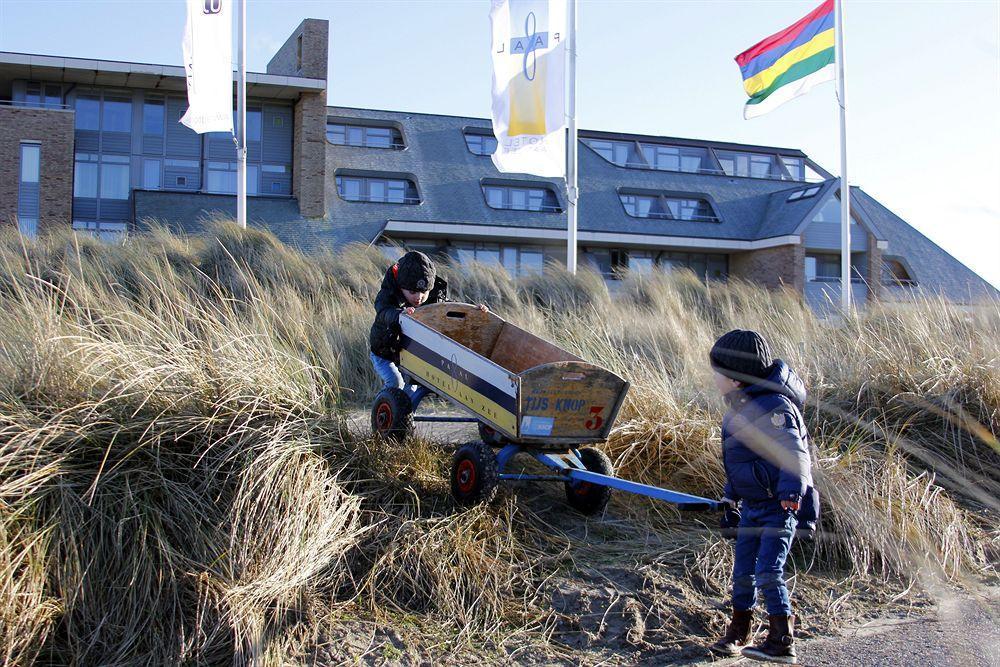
(456, 372)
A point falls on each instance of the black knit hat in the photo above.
(741, 355)
(415, 272)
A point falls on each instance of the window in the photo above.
(804, 194)
(152, 116)
(667, 208)
(183, 164)
(151, 174)
(48, 96)
(31, 156)
(114, 177)
(612, 262)
(221, 177)
(830, 212)
(648, 155)
(621, 153)
(674, 158)
(641, 261)
(822, 268)
(377, 190)
(362, 135)
(514, 198)
(28, 193)
(109, 232)
(796, 168)
(480, 144)
(106, 176)
(254, 124)
(85, 176)
(33, 94)
(88, 112)
(116, 115)
(895, 273)
(516, 260)
(753, 165)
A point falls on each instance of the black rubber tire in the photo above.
(474, 476)
(392, 415)
(586, 497)
(490, 436)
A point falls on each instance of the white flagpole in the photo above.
(845, 188)
(571, 147)
(241, 118)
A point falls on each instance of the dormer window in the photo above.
(377, 189)
(368, 136)
(667, 207)
(480, 143)
(895, 273)
(527, 197)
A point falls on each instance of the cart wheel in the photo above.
(490, 436)
(587, 497)
(474, 474)
(392, 414)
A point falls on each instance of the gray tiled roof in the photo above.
(783, 217)
(934, 270)
(449, 178)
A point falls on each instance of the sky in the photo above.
(923, 80)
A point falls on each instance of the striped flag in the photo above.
(789, 63)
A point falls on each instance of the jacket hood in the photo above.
(781, 380)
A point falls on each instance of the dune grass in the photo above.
(179, 481)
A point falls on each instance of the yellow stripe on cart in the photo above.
(452, 388)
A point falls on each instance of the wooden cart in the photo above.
(525, 393)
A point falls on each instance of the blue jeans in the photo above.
(392, 378)
(762, 543)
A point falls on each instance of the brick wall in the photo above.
(315, 34)
(874, 267)
(309, 136)
(54, 129)
(309, 155)
(771, 267)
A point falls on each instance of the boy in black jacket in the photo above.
(409, 283)
(766, 457)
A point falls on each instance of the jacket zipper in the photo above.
(766, 487)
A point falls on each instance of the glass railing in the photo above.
(35, 105)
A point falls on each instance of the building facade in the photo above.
(97, 145)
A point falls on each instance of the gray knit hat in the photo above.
(742, 355)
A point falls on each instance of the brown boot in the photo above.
(779, 645)
(736, 634)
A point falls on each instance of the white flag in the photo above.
(529, 86)
(208, 61)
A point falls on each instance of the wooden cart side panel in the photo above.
(463, 323)
(570, 399)
(518, 350)
(460, 375)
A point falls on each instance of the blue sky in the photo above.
(923, 80)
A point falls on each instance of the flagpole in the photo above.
(241, 117)
(571, 148)
(845, 188)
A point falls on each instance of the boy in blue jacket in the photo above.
(766, 458)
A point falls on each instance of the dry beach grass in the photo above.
(179, 483)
